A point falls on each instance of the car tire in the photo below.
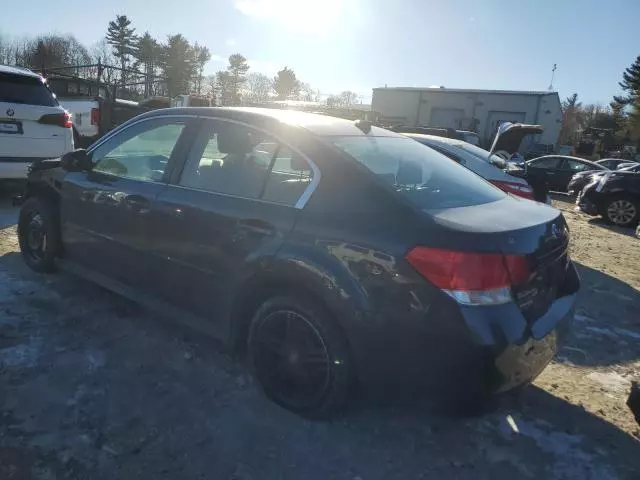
(38, 234)
(622, 211)
(300, 356)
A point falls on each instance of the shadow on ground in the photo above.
(606, 328)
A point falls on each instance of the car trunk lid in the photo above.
(510, 135)
(515, 228)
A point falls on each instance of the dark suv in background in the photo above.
(334, 253)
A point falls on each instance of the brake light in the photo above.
(470, 278)
(58, 119)
(524, 191)
(95, 116)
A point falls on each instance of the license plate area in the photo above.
(10, 127)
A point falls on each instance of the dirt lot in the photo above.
(92, 386)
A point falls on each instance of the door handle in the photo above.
(257, 226)
(551, 173)
(137, 203)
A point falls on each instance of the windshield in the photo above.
(427, 178)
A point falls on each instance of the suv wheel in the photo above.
(38, 234)
(300, 356)
(622, 211)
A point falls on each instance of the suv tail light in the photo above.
(95, 116)
(59, 119)
(470, 278)
(518, 189)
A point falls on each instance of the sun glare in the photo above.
(305, 15)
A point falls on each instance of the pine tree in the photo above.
(237, 77)
(148, 54)
(286, 84)
(630, 84)
(178, 64)
(121, 36)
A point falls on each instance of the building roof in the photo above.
(465, 90)
(18, 71)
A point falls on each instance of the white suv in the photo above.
(33, 125)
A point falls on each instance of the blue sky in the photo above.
(359, 44)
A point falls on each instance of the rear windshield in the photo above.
(26, 90)
(482, 154)
(425, 177)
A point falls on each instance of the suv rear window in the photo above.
(425, 177)
(25, 90)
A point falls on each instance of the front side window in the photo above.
(577, 166)
(141, 152)
(422, 175)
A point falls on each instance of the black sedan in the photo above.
(615, 196)
(558, 170)
(335, 254)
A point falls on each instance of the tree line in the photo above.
(621, 116)
(147, 66)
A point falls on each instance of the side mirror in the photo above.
(77, 161)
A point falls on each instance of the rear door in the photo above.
(229, 210)
(25, 129)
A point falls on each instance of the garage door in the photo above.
(494, 119)
(446, 117)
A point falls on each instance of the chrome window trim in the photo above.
(302, 200)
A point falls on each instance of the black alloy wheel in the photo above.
(299, 357)
(37, 234)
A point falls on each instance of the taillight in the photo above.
(58, 119)
(471, 278)
(95, 116)
(518, 189)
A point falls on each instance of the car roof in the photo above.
(18, 71)
(435, 138)
(322, 125)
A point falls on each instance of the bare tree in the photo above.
(258, 88)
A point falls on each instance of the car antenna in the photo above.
(364, 124)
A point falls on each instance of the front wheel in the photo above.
(38, 234)
(300, 356)
(623, 211)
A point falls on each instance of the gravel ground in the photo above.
(93, 387)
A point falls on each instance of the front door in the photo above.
(547, 169)
(568, 168)
(226, 214)
(105, 212)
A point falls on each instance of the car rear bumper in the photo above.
(453, 352)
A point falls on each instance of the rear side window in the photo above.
(425, 177)
(25, 90)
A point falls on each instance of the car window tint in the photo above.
(141, 152)
(422, 175)
(551, 162)
(289, 177)
(25, 90)
(447, 153)
(229, 158)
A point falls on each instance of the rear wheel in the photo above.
(38, 234)
(300, 356)
(622, 211)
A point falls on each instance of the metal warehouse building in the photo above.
(477, 110)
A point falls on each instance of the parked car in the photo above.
(464, 135)
(333, 252)
(478, 161)
(559, 170)
(33, 125)
(615, 196)
(582, 179)
(611, 163)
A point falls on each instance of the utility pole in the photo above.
(553, 74)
